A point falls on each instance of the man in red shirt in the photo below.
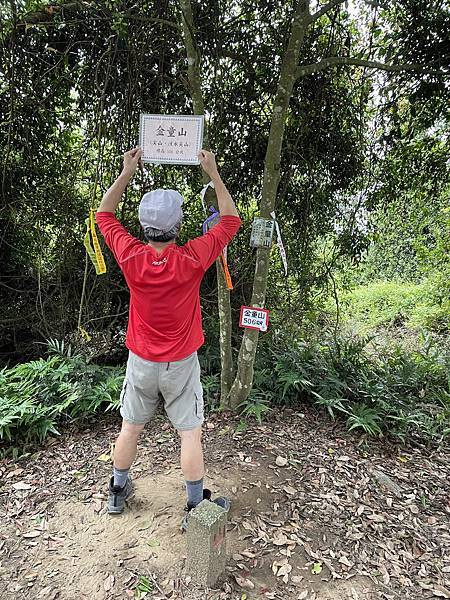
(165, 325)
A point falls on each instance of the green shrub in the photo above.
(256, 405)
(36, 396)
(377, 389)
(390, 303)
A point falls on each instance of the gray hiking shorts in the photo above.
(176, 383)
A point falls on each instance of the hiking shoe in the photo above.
(223, 502)
(118, 495)
(189, 507)
(220, 501)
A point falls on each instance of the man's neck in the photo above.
(160, 246)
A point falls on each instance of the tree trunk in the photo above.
(244, 378)
(223, 294)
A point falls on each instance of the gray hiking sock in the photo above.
(120, 476)
(194, 491)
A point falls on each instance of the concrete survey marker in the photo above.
(206, 543)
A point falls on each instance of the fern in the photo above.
(256, 406)
(39, 395)
(365, 418)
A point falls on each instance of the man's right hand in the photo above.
(224, 200)
(208, 162)
(131, 160)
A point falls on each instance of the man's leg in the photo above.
(192, 464)
(138, 402)
(125, 451)
(120, 486)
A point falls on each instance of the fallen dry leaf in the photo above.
(284, 570)
(280, 539)
(242, 582)
(108, 583)
(31, 576)
(344, 561)
(21, 486)
(14, 473)
(32, 534)
(384, 572)
(376, 518)
(105, 457)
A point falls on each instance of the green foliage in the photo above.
(409, 218)
(211, 389)
(36, 396)
(144, 586)
(394, 303)
(378, 388)
(209, 357)
(104, 64)
(365, 418)
(256, 406)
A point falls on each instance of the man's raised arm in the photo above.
(227, 208)
(113, 195)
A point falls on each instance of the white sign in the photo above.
(171, 139)
(262, 233)
(254, 318)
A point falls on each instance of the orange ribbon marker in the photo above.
(226, 272)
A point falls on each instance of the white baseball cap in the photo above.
(161, 209)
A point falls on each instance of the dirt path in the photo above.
(313, 516)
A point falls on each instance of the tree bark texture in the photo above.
(223, 294)
(242, 384)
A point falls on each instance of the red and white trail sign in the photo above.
(254, 317)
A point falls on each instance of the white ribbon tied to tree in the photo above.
(280, 244)
(203, 193)
(210, 184)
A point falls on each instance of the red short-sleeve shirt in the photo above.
(165, 322)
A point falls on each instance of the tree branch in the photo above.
(324, 9)
(193, 59)
(370, 64)
(47, 14)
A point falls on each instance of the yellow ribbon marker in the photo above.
(84, 333)
(94, 253)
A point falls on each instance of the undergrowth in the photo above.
(377, 389)
(393, 304)
(35, 397)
